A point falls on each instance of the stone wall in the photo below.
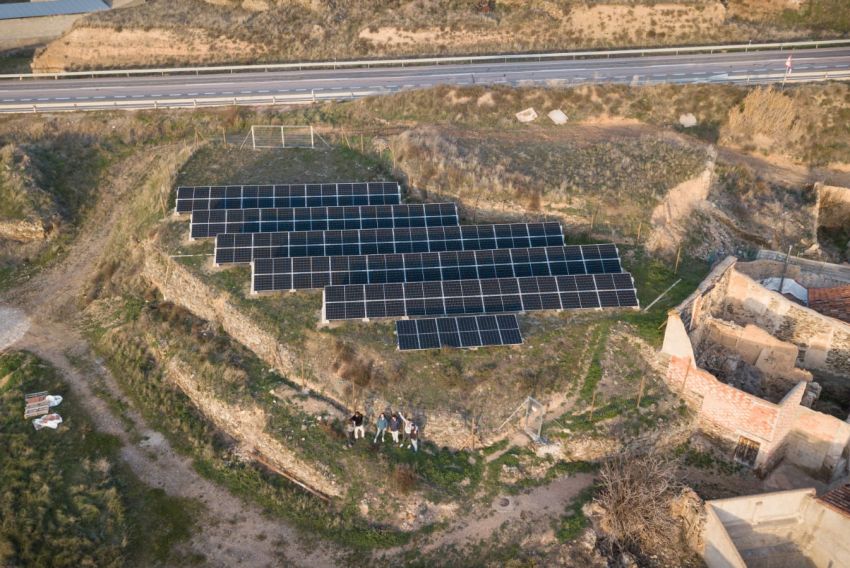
(762, 269)
(819, 443)
(824, 342)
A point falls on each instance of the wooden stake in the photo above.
(678, 258)
(361, 143)
(593, 220)
(592, 405)
(640, 226)
(640, 390)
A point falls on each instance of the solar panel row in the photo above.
(470, 331)
(244, 248)
(379, 258)
(498, 295)
(209, 223)
(192, 198)
(270, 274)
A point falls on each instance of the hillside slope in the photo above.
(197, 32)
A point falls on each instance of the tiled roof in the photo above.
(50, 8)
(839, 499)
(833, 302)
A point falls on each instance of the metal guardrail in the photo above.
(352, 94)
(636, 52)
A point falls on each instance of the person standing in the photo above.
(381, 427)
(414, 438)
(357, 422)
(394, 426)
(408, 426)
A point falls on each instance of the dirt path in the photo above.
(540, 504)
(543, 502)
(230, 531)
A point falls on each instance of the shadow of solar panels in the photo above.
(242, 248)
(209, 223)
(194, 198)
(459, 332)
(271, 274)
(491, 296)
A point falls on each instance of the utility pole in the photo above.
(784, 269)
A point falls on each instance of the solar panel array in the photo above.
(492, 296)
(206, 223)
(244, 248)
(194, 198)
(469, 331)
(378, 258)
(270, 274)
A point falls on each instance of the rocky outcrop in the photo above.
(24, 231)
(248, 425)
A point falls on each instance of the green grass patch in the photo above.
(65, 496)
(594, 371)
(573, 522)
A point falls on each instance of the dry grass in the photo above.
(767, 119)
(161, 32)
(637, 497)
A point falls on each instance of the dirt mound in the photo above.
(103, 47)
(27, 211)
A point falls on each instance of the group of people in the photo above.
(402, 430)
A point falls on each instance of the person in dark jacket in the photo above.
(394, 426)
(357, 422)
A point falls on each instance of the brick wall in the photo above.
(727, 413)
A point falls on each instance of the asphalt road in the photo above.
(304, 86)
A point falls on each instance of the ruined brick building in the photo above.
(768, 377)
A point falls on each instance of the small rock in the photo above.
(688, 120)
(527, 115)
(557, 116)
